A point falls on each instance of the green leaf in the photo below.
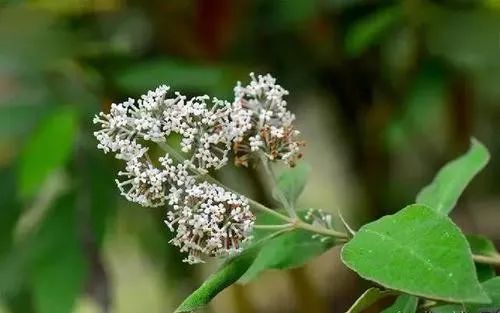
(228, 274)
(58, 272)
(368, 31)
(179, 75)
(10, 209)
(403, 304)
(48, 148)
(287, 251)
(417, 251)
(102, 194)
(443, 192)
(422, 109)
(367, 299)
(292, 182)
(483, 246)
(17, 119)
(448, 308)
(492, 288)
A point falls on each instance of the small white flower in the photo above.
(210, 221)
(261, 122)
(149, 186)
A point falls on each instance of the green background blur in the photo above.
(384, 92)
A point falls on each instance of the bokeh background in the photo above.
(385, 92)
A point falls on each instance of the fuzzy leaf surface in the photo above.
(443, 192)
(417, 251)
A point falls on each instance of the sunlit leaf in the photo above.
(443, 192)
(417, 251)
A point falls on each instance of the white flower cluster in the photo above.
(262, 122)
(210, 221)
(207, 219)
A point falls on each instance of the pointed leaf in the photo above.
(48, 148)
(367, 299)
(484, 246)
(443, 192)
(492, 288)
(287, 251)
(416, 251)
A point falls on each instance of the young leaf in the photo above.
(482, 245)
(292, 182)
(443, 192)
(417, 251)
(48, 148)
(403, 304)
(287, 251)
(367, 299)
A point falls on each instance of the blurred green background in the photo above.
(384, 92)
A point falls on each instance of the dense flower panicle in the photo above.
(155, 116)
(210, 221)
(203, 131)
(261, 122)
(149, 186)
(207, 219)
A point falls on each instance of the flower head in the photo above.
(261, 122)
(210, 221)
(202, 127)
(149, 186)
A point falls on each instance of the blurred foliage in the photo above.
(407, 82)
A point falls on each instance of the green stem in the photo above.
(280, 226)
(292, 222)
(320, 230)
